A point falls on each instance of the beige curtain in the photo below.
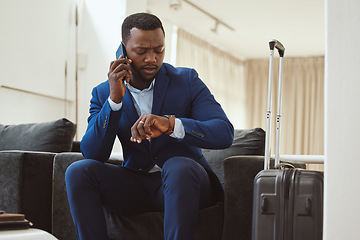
(302, 112)
(241, 88)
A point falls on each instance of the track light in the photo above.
(175, 4)
(215, 28)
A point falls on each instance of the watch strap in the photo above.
(171, 124)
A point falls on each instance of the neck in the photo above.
(140, 83)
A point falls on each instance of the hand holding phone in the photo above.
(119, 72)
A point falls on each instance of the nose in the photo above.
(150, 57)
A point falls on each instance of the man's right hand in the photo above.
(118, 71)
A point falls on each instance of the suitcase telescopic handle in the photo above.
(273, 44)
(276, 44)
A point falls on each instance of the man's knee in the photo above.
(182, 168)
(179, 164)
(79, 169)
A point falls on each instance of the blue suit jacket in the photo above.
(177, 91)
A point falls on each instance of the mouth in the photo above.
(150, 69)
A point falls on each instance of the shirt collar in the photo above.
(135, 90)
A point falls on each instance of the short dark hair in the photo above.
(142, 21)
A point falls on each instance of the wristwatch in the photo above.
(171, 124)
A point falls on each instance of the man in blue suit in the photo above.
(162, 116)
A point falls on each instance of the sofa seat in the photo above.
(147, 226)
(211, 222)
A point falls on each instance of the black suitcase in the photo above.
(287, 202)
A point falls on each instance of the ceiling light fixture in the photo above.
(217, 21)
(215, 28)
(175, 4)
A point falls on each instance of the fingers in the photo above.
(120, 69)
(148, 126)
(141, 129)
(114, 64)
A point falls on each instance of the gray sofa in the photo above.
(32, 182)
(27, 154)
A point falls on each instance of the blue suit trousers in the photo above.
(180, 190)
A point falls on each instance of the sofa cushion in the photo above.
(246, 142)
(55, 136)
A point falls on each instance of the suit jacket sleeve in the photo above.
(208, 126)
(97, 143)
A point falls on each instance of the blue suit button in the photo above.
(105, 122)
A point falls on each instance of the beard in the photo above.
(144, 75)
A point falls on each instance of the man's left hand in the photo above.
(149, 126)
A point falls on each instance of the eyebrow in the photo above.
(161, 46)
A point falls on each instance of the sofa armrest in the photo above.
(62, 223)
(239, 172)
(26, 185)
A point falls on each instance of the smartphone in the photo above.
(121, 51)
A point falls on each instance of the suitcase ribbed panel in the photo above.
(288, 205)
(308, 205)
(267, 202)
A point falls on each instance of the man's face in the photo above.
(146, 49)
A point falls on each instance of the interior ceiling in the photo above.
(299, 25)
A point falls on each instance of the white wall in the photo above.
(36, 44)
(342, 114)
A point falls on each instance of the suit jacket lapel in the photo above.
(161, 84)
(128, 107)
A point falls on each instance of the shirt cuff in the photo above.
(179, 131)
(114, 106)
